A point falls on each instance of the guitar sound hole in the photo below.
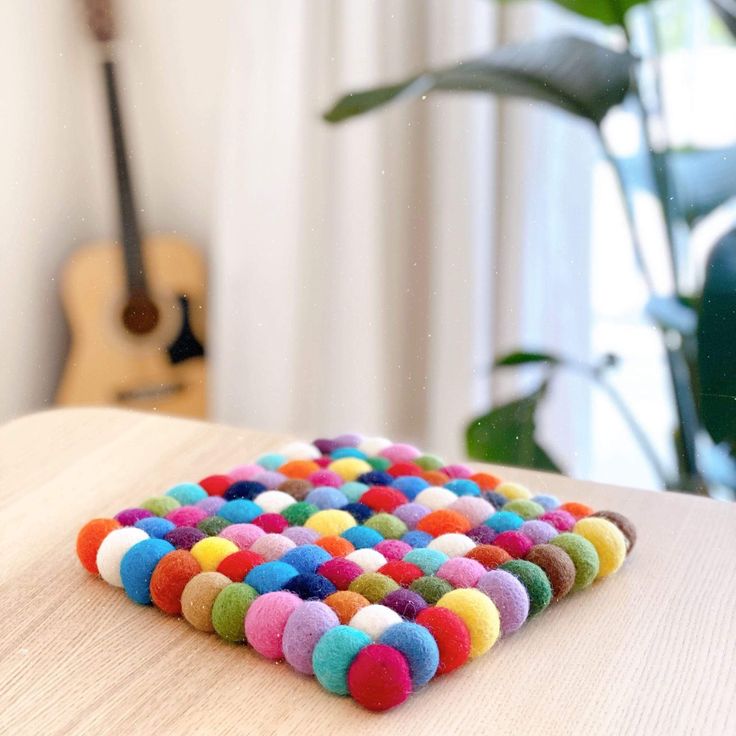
(140, 315)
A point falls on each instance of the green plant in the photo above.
(698, 331)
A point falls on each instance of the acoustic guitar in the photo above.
(135, 306)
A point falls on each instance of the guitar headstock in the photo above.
(100, 19)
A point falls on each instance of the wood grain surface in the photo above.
(651, 650)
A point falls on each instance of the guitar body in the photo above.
(162, 369)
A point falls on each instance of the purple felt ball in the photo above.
(540, 532)
(482, 534)
(300, 535)
(304, 628)
(128, 517)
(405, 602)
(211, 505)
(326, 446)
(510, 597)
(411, 514)
(184, 537)
(348, 440)
(269, 478)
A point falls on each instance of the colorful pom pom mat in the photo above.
(366, 564)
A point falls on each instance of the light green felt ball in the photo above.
(583, 556)
(387, 525)
(229, 609)
(160, 505)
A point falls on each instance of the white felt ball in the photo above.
(374, 445)
(273, 502)
(300, 451)
(369, 559)
(113, 548)
(374, 620)
(436, 498)
(453, 545)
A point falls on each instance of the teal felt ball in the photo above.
(333, 655)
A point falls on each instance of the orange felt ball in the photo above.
(435, 478)
(300, 469)
(489, 555)
(443, 521)
(89, 540)
(345, 604)
(486, 481)
(336, 546)
(169, 579)
(578, 510)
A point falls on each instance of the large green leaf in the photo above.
(717, 343)
(524, 357)
(506, 435)
(610, 12)
(579, 76)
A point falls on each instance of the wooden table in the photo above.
(650, 651)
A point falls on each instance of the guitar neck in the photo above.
(129, 228)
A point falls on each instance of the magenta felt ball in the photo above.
(325, 478)
(400, 453)
(561, 520)
(128, 517)
(379, 677)
(300, 535)
(411, 514)
(540, 532)
(340, 572)
(304, 629)
(243, 535)
(515, 543)
(211, 505)
(457, 471)
(187, 515)
(510, 597)
(461, 572)
(393, 549)
(266, 620)
(475, 510)
(271, 523)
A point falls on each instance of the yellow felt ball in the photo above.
(609, 542)
(349, 468)
(479, 614)
(513, 491)
(330, 522)
(211, 551)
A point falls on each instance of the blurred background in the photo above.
(365, 272)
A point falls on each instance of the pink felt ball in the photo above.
(272, 546)
(475, 510)
(563, 521)
(187, 515)
(304, 629)
(242, 534)
(340, 572)
(411, 514)
(515, 543)
(379, 677)
(461, 572)
(400, 453)
(540, 532)
(325, 478)
(457, 471)
(393, 549)
(266, 620)
(245, 472)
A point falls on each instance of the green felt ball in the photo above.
(431, 588)
(525, 508)
(373, 586)
(387, 525)
(299, 512)
(212, 525)
(160, 505)
(429, 462)
(583, 556)
(229, 609)
(534, 579)
(379, 463)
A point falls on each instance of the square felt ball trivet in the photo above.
(367, 564)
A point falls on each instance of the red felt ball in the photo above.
(443, 521)
(383, 498)
(450, 633)
(216, 485)
(271, 523)
(340, 572)
(170, 577)
(485, 481)
(379, 677)
(89, 540)
(399, 469)
(403, 573)
(517, 544)
(237, 565)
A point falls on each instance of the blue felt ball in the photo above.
(359, 511)
(504, 521)
(306, 558)
(376, 478)
(463, 487)
(310, 586)
(333, 655)
(362, 537)
(247, 489)
(417, 539)
(155, 526)
(270, 576)
(418, 646)
(427, 560)
(187, 494)
(272, 461)
(327, 497)
(353, 490)
(240, 511)
(137, 566)
(410, 485)
(547, 502)
(495, 499)
(348, 452)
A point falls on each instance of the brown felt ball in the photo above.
(557, 565)
(296, 487)
(345, 604)
(169, 579)
(489, 555)
(625, 526)
(199, 596)
(89, 540)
